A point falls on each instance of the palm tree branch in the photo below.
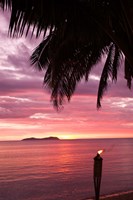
(116, 62)
(128, 73)
(106, 73)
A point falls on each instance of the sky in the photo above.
(26, 110)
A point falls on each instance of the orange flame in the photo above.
(100, 151)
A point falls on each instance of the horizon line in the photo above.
(18, 140)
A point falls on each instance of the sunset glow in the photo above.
(26, 110)
(67, 137)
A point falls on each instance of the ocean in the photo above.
(63, 170)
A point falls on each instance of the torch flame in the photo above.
(100, 151)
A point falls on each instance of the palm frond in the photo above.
(40, 57)
(5, 4)
(128, 73)
(62, 78)
(93, 57)
(106, 73)
(116, 62)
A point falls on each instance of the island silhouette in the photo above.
(47, 138)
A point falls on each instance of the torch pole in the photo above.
(97, 175)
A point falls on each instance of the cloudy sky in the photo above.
(26, 110)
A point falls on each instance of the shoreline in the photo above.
(128, 195)
(121, 195)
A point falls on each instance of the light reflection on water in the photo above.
(63, 170)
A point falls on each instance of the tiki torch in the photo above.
(97, 173)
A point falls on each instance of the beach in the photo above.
(120, 196)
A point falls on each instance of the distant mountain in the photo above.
(47, 138)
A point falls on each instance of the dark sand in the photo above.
(126, 196)
(122, 196)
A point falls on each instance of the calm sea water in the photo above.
(63, 170)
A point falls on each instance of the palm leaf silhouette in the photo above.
(76, 34)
